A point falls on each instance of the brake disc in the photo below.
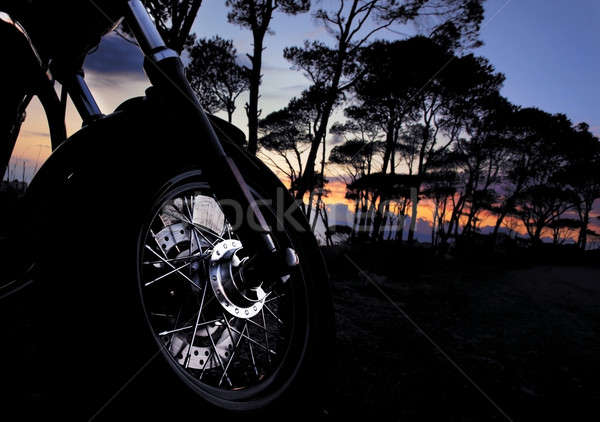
(203, 357)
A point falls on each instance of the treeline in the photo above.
(424, 121)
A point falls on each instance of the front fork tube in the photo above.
(165, 71)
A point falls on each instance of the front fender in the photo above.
(128, 148)
(137, 135)
(135, 142)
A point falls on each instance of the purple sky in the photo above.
(548, 50)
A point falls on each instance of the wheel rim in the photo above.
(216, 351)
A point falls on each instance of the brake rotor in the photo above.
(203, 356)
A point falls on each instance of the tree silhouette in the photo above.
(447, 104)
(440, 187)
(535, 142)
(379, 191)
(280, 134)
(541, 206)
(215, 74)
(361, 142)
(288, 133)
(174, 20)
(355, 155)
(256, 15)
(480, 153)
(346, 23)
(385, 90)
(583, 176)
(562, 229)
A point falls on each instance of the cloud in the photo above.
(296, 87)
(115, 56)
(267, 67)
(336, 139)
(317, 33)
(35, 133)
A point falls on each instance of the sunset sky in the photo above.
(549, 52)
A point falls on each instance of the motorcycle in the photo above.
(156, 245)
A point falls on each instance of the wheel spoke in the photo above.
(272, 313)
(262, 311)
(161, 315)
(212, 342)
(187, 327)
(171, 265)
(232, 354)
(187, 359)
(174, 270)
(252, 353)
(201, 230)
(266, 349)
(205, 363)
(190, 222)
(264, 328)
(275, 298)
(223, 351)
(180, 258)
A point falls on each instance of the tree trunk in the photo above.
(186, 27)
(317, 211)
(378, 220)
(355, 220)
(320, 194)
(400, 230)
(325, 219)
(433, 223)
(254, 82)
(309, 168)
(309, 205)
(370, 219)
(471, 217)
(499, 221)
(401, 221)
(413, 217)
(582, 241)
(537, 235)
(362, 223)
(389, 147)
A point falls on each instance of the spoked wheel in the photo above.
(163, 314)
(235, 342)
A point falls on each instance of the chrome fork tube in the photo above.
(82, 98)
(148, 37)
(168, 69)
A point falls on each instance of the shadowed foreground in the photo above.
(527, 336)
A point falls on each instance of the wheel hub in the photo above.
(226, 279)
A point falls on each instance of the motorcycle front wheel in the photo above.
(157, 315)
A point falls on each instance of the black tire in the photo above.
(101, 345)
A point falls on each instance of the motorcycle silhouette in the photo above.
(153, 240)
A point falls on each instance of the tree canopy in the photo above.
(215, 75)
